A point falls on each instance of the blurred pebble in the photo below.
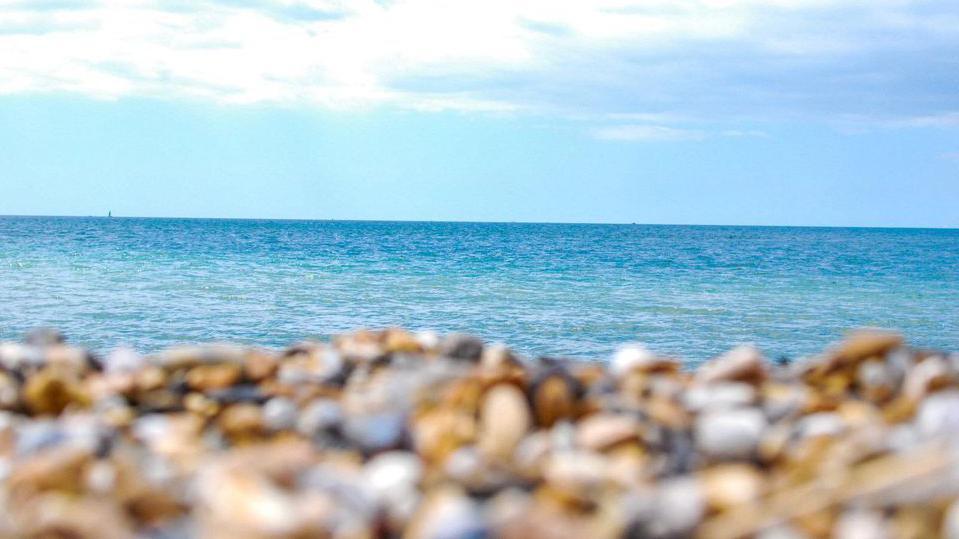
(460, 346)
(416, 435)
(729, 434)
(280, 414)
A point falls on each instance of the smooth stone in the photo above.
(730, 434)
(375, 432)
(504, 420)
(279, 413)
(679, 506)
(506, 507)
(744, 363)
(35, 436)
(185, 356)
(346, 485)
(666, 387)
(123, 359)
(101, 477)
(730, 485)
(601, 431)
(51, 391)
(553, 395)
(241, 420)
(920, 379)
(782, 401)
(449, 515)
(216, 377)
(44, 337)
(238, 394)
(393, 478)
(9, 391)
(719, 396)
(532, 452)
(939, 414)
(497, 357)
(902, 437)
(245, 502)
(429, 340)
(320, 365)
(866, 343)
(874, 374)
(461, 346)
(950, 522)
(318, 416)
(392, 470)
(464, 464)
(629, 357)
(575, 471)
(397, 341)
(562, 436)
(821, 424)
(16, 356)
(781, 531)
(861, 524)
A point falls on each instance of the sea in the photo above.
(560, 290)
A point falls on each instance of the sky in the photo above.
(772, 112)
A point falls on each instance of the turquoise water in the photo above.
(544, 288)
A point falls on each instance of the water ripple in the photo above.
(558, 289)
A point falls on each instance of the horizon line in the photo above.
(490, 222)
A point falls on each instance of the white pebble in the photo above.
(730, 434)
(630, 356)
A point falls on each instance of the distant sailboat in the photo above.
(110, 213)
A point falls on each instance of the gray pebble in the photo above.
(375, 432)
(279, 413)
(461, 346)
(318, 416)
(38, 435)
(44, 337)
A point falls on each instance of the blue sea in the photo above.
(554, 289)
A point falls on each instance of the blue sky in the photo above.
(793, 112)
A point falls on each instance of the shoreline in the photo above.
(389, 433)
(494, 222)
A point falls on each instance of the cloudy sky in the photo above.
(819, 112)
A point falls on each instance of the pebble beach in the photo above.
(424, 436)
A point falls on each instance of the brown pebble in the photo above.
(401, 341)
(242, 421)
(260, 366)
(863, 344)
(504, 421)
(58, 469)
(729, 485)
(741, 364)
(599, 432)
(553, 399)
(211, 377)
(52, 390)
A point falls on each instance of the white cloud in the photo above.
(944, 119)
(655, 64)
(644, 133)
(753, 133)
